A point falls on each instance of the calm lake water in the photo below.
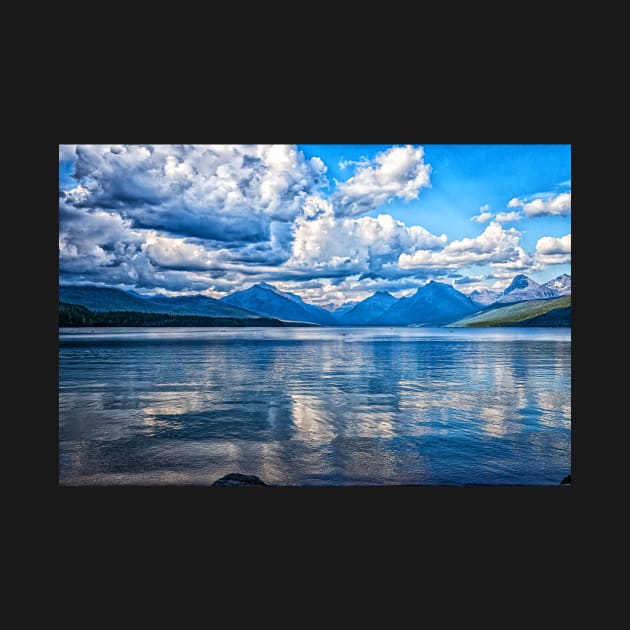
(314, 406)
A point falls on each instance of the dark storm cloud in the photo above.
(173, 216)
(241, 228)
(393, 273)
(223, 192)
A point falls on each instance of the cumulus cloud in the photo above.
(223, 192)
(548, 245)
(177, 253)
(508, 217)
(495, 245)
(482, 217)
(67, 152)
(548, 205)
(399, 172)
(323, 240)
(553, 251)
(92, 239)
(214, 219)
(181, 210)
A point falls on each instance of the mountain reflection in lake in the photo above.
(315, 406)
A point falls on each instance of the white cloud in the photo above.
(184, 215)
(519, 262)
(217, 218)
(176, 253)
(482, 218)
(549, 245)
(353, 244)
(399, 172)
(343, 164)
(67, 151)
(494, 245)
(559, 205)
(226, 192)
(506, 217)
(94, 239)
(553, 251)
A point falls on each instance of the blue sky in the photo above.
(333, 223)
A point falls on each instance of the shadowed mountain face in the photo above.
(320, 315)
(435, 303)
(342, 310)
(266, 300)
(369, 310)
(109, 299)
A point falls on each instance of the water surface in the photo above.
(314, 406)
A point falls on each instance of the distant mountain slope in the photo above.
(200, 305)
(266, 300)
(77, 315)
(367, 311)
(434, 303)
(109, 299)
(484, 297)
(321, 315)
(549, 312)
(344, 308)
(106, 299)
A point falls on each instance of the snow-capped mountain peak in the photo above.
(521, 283)
(561, 285)
(523, 288)
(484, 296)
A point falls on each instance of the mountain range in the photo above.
(523, 288)
(368, 310)
(435, 303)
(109, 299)
(266, 300)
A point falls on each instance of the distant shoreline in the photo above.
(76, 316)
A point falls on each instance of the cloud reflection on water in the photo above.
(426, 410)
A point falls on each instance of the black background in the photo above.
(474, 546)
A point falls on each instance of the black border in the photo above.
(488, 519)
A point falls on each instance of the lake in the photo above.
(314, 406)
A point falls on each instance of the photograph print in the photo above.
(314, 315)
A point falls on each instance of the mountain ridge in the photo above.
(434, 303)
(266, 300)
(369, 309)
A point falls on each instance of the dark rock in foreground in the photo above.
(237, 479)
(566, 480)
